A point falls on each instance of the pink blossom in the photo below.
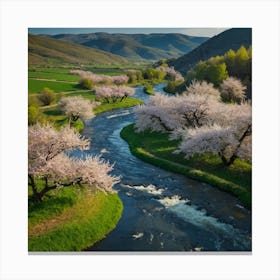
(232, 90)
(113, 92)
(77, 107)
(47, 160)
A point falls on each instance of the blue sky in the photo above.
(204, 32)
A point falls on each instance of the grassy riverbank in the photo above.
(157, 149)
(71, 219)
(148, 88)
(55, 115)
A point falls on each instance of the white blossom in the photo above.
(47, 159)
(201, 122)
(99, 78)
(202, 88)
(77, 107)
(113, 92)
(232, 90)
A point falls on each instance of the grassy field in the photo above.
(54, 76)
(157, 149)
(36, 86)
(71, 219)
(89, 95)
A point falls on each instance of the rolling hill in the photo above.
(48, 51)
(217, 45)
(137, 46)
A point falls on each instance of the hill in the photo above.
(217, 45)
(137, 46)
(48, 51)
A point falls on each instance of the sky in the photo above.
(203, 32)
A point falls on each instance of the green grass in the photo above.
(89, 95)
(149, 89)
(157, 149)
(72, 219)
(54, 76)
(127, 102)
(36, 86)
(55, 116)
(50, 207)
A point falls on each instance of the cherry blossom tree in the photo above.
(201, 122)
(163, 113)
(121, 79)
(228, 143)
(232, 90)
(48, 161)
(113, 93)
(77, 107)
(99, 78)
(202, 88)
(228, 134)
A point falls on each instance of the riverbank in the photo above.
(71, 219)
(55, 115)
(157, 149)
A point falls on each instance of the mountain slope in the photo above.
(44, 50)
(137, 46)
(217, 45)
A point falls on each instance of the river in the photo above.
(163, 211)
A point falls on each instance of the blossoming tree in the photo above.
(99, 78)
(48, 161)
(113, 93)
(77, 107)
(201, 122)
(202, 88)
(232, 90)
(163, 113)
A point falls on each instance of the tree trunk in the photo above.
(47, 188)
(32, 183)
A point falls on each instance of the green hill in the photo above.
(48, 51)
(217, 45)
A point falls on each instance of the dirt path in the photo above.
(53, 80)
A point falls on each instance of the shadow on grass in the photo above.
(53, 112)
(48, 207)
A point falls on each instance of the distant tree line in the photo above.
(216, 69)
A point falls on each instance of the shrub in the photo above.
(34, 115)
(148, 88)
(86, 83)
(47, 96)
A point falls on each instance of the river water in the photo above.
(163, 211)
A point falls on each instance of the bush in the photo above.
(172, 86)
(34, 115)
(86, 83)
(47, 96)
